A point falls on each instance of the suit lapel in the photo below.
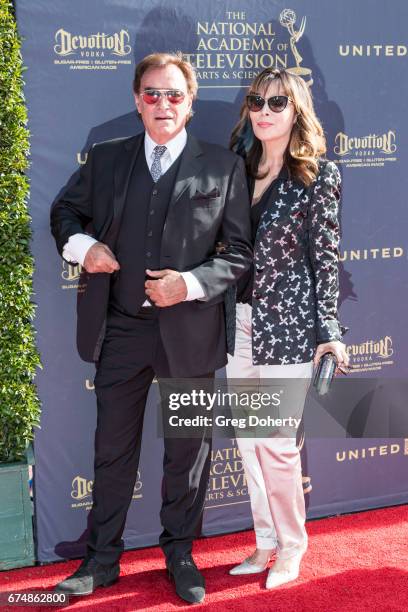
(191, 164)
(123, 172)
(121, 177)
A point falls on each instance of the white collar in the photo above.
(174, 146)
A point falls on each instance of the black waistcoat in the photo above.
(139, 239)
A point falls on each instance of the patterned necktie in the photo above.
(156, 170)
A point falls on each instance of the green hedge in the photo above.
(19, 404)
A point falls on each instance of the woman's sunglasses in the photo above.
(277, 104)
(152, 96)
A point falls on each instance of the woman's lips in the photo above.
(264, 124)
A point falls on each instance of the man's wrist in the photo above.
(76, 248)
(194, 289)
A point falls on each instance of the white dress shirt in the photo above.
(78, 245)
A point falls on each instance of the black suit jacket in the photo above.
(209, 205)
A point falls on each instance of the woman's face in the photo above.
(269, 125)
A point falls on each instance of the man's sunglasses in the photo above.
(152, 96)
(277, 104)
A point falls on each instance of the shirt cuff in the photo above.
(77, 247)
(194, 289)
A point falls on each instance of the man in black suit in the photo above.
(152, 303)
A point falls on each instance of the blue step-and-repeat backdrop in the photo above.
(80, 59)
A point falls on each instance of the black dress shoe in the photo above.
(89, 575)
(189, 583)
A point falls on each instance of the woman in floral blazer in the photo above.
(287, 304)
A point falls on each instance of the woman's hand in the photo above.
(337, 348)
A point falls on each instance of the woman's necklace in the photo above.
(270, 177)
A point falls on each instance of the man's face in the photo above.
(163, 120)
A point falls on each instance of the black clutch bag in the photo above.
(324, 374)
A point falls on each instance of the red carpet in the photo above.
(354, 563)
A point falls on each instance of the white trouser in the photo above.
(272, 464)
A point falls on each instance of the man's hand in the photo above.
(99, 258)
(168, 289)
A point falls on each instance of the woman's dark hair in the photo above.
(307, 142)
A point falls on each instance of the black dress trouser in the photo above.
(132, 354)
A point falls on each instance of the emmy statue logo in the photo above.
(287, 19)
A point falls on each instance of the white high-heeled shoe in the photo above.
(246, 567)
(284, 571)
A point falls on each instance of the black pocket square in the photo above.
(199, 195)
